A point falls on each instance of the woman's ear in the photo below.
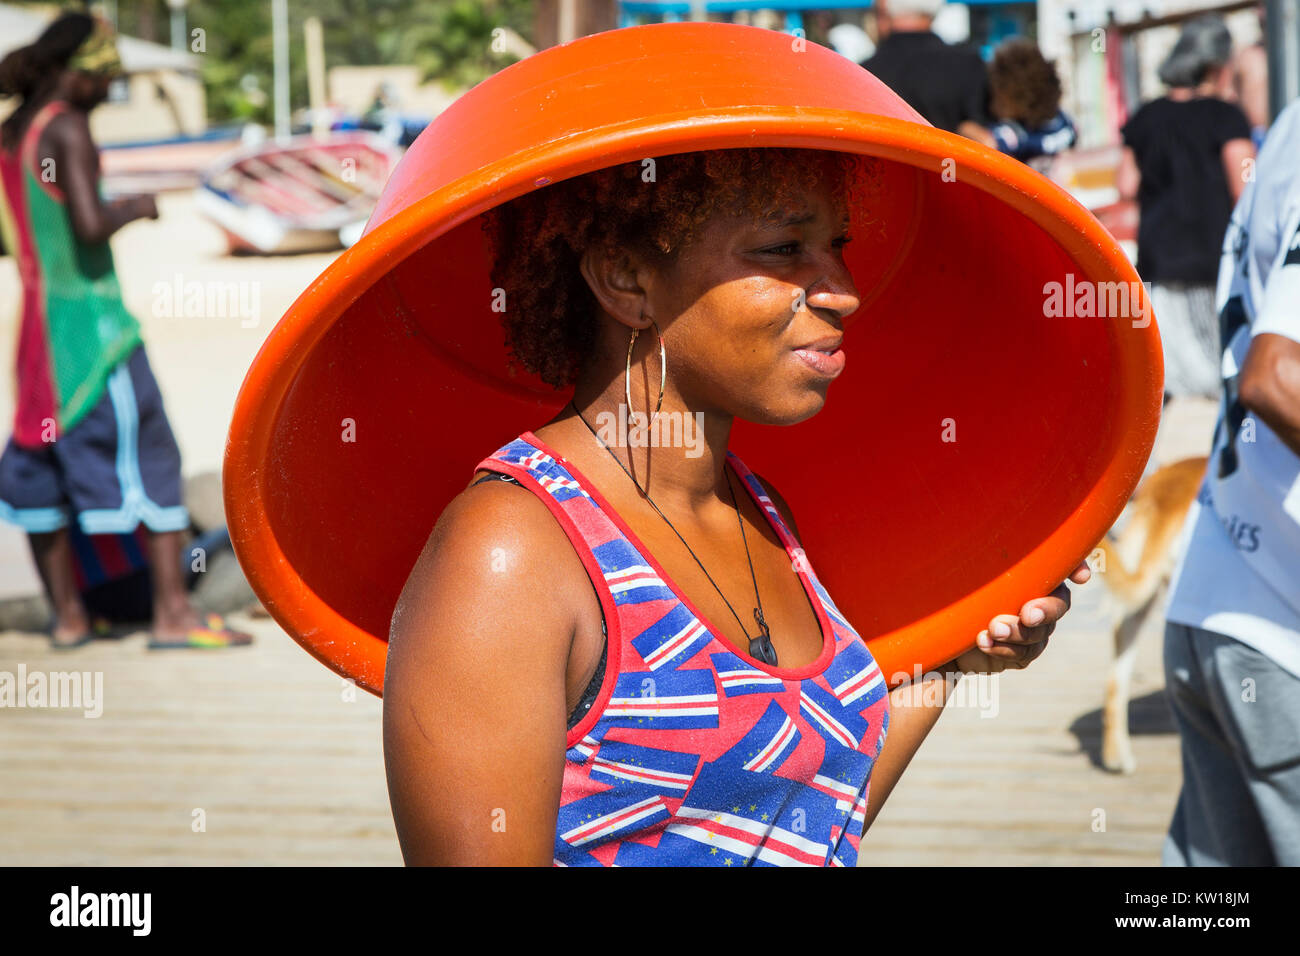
(615, 281)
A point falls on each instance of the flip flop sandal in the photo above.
(99, 627)
(212, 634)
(85, 638)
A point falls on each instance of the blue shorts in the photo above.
(116, 467)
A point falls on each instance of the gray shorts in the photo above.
(1238, 715)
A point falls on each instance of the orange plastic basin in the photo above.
(919, 540)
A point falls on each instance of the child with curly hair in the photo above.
(1025, 97)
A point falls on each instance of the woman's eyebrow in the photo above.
(790, 219)
(779, 220)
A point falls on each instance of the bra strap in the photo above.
(497, 476)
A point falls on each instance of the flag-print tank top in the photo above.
(692, 754)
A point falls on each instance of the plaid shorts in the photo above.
(118, 466)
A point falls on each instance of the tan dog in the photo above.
(1146, 544)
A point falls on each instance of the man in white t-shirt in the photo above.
(1232, 641)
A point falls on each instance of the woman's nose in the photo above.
(835, 289)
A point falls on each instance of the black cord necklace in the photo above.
(760, 647)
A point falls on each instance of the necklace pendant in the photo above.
(760, 648)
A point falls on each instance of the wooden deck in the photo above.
(261, 739)
(287, 771)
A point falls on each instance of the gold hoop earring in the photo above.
(663, 373)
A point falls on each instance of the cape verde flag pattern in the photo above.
(675, 700)
(693, 755)
(768, 742)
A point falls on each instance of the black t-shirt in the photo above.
(945, 84)
(1183, 200)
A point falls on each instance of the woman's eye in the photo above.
(793, 248)
(784, 249)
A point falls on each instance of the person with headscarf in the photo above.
(90, 434)
(1186, 161)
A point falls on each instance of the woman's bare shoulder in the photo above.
(494, 552)
(475, 689)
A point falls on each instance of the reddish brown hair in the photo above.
(538, 239)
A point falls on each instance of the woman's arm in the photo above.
(1128, 178)
(1236, 154)
(474, 692)
(914, 709)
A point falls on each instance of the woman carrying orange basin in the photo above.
(589, 295)
(648, 604)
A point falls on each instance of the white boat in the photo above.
(297, 195)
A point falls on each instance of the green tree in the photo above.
(450, 40)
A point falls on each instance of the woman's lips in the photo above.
(826, 364)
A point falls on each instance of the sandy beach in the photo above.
(262, 756)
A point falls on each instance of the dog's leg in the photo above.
(1147, 544)
(1116, 747)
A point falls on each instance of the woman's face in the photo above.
(756, 311)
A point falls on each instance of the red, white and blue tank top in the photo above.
(692, 754)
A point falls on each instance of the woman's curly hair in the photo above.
(653, 206)
(1025, 82)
